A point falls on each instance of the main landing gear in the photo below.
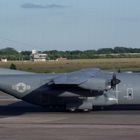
(78, 110)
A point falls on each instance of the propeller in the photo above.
(114, 81)
(102, 83)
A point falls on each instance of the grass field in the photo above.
(71, 65)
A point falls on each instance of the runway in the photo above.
(20, 120)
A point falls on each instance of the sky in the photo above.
(69, 24)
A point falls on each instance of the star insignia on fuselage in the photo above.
(21, 87)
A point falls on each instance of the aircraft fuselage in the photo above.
(38, 89)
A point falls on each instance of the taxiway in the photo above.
(20, 120)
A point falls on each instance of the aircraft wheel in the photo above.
(72, 109)
(86, 110)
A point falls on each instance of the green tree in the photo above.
(13, 66)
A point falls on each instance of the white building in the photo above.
(4, 60)
(38, 57)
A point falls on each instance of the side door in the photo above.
(129, 95)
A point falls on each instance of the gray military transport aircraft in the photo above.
(78, 90)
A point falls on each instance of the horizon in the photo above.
(113, 48)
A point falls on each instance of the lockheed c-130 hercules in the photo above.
(78, 90)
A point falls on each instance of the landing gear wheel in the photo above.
(86, 110)
(72, 109)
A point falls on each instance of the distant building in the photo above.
(61, 59)
(3, 60)
(38, 57)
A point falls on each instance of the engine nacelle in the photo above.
(95, 84)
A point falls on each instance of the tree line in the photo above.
(12, 54)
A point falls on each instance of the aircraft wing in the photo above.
(89, 79)
(75, 78)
